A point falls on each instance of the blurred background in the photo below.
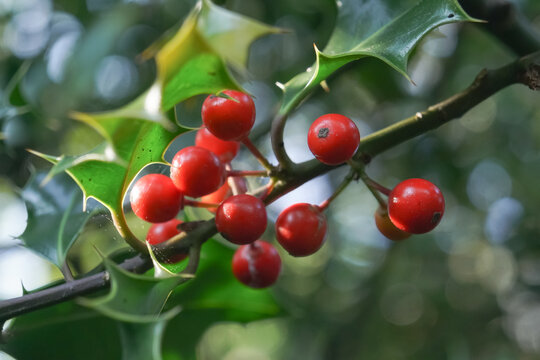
(468, 290)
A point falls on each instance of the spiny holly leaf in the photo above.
(133, 297)
(102, 152)
(352, 40)
(165, 271)
(63, 332)
(55, 216)
(192, 62)
(141, 341)
(66, 329)
(230, 34)
(106, 174)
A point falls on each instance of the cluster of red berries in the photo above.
(200, 171)
(415, 206)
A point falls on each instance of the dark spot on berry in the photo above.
(213, 96)
(436, 217)
(450, 16)
(323, 132)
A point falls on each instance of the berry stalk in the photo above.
(199, 204)
(346, 181)
(238, 173)
(374, 189)
(258, 155)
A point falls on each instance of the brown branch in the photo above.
(67, 291)
(522, 71)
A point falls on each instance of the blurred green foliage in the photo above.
(469, 290)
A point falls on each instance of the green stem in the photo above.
(239, 173)
(278, 145)
(375, 190)
(258, 155)
(193, 262)
(522, 71)
(182, 243)
(375, 185)
(199, 204)
(267, 189)
(123, 229)
(346, 181)
(66, 271)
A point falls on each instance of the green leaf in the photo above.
(352, 40)
(215, 287)
(194, 60)
(55, 216)
(229, 34)
(106, 173)
(213, 296)
(133, 297)
(141, 341)
(63, 332)
(190, 63)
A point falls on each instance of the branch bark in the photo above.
(67, 291)
(525, 71)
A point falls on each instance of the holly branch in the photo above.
(290, 175)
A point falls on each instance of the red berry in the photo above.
(415, 206)
(385, 226)
(256, 265)
(241, 219)
(225, 150)
(229, 119)
(225, 192)
(154, 198)
(301, 229)
(333, 139)
(161, 232)
(197, 171)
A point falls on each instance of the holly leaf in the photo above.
(141, 341)
(133, 297)
(106, 173)
(353, 38)
(194, 61)
(55, 216)
(66, 329)
(61, 331)
(214, 296)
